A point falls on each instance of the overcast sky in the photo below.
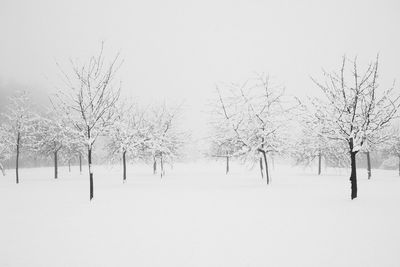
(177, 50)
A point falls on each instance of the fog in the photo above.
(177, 51)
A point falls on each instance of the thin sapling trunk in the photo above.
(55, 165)
(3, 170)
(124, 165)
(319, 163)
(368, 165)
(154, 165)
(227, 164)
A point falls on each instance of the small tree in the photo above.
(311, 144)
(374, 142)
(5, 148)
(128, 136)
(223, 148)
(353, 110)
(74, 148)
(165, 141)
(392, 145)
(20, 120)
(223, 141)
(52, 136)
(258, 118)
(90, 100)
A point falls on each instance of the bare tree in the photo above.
(222, 147)
(257, 116)
(310, 144)
(90, 99)
(223, 141)
(391, 146)
(128, 136)
(53, 134)
(165, 141)
(5, 148)
(19, 125)
(353, 109)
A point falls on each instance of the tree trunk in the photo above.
(90, 172)
(368, 165)
(154, 165)
(69, 165)
(17, 157)
(227, 164)
(266, 166)
(124, 165)
(161, 166)
(55, 165)
(80, 163)
(319, 163)
(353, 176)
(261, 168)
(3, 169)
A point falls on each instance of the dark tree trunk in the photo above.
(368, 165)
(3, 169)
(161, 166)
(17, 158)
(353, 176)
(124, 165)
(69, 165)
(227, 164)
(80, 163)
(154, 165)
(266, 166)
(55, 165)
(319, 163)
(90, 172)
(261, 168)
(90, 165)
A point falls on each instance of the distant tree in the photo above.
(53, 135)
(375, 141)
(223, 148)
(392, 144)
(310, 143)
(258, 117)
(74, 148)
(223, 141)
(19, 125)
(165, 141)
(353, 109)
(128, 136)
(90, 99)
(5, 147)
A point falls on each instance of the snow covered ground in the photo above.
(198, 216)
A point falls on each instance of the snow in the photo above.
(198, 216)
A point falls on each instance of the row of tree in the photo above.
(89, 107)
(256, 119)
(251, 121)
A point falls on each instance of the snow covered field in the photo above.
(198, 216)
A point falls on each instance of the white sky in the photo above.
(177, 50)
